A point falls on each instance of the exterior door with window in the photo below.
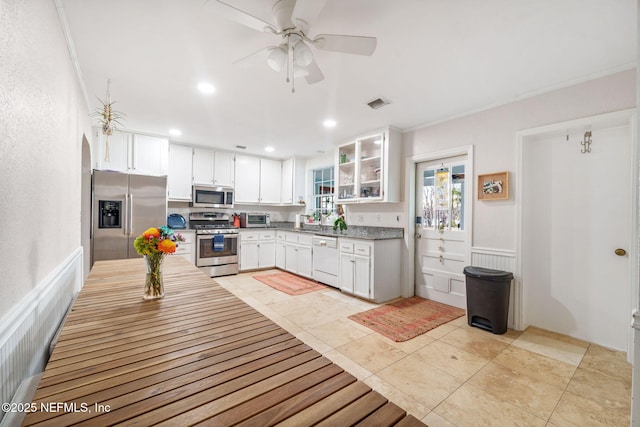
(442, 249)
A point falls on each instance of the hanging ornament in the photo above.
(108, 118)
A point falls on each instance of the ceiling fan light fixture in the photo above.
(299, 71)
(302, 55)
(277, 58)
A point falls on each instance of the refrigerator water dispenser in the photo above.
(109, 214)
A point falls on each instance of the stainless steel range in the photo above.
(216, 243)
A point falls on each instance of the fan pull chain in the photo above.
(288, 54)
(293, 75)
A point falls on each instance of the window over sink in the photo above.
(323, 190)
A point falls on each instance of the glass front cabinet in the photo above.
(368, 168)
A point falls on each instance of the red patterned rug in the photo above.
(289, 283)
(407, 318)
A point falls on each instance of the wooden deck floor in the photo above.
(199, 356)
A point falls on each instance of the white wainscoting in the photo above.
(500, 259)
(27, 330)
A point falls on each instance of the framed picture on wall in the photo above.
(493, 186)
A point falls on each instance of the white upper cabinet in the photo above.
(258, 181)
(131, 153)
(213, 167)
(224, 169)
(150, 155)
(202, 166)
(368, 168)
(292, 191)
(114, 154)
(180, 173)
(270, 181)
(247, 189)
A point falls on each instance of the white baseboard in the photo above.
(26, 331)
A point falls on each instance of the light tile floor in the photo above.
(456, 375)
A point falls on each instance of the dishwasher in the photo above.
(325, 260)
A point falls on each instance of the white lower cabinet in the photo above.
(187, 248)
(281, 250)
(358, 273)
(296, 249)
(267, 249)
(257, 250)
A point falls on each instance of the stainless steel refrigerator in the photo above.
(123, 206)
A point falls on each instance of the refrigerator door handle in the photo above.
(126, 214)
(130, 214)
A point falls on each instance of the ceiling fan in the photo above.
(293, 19)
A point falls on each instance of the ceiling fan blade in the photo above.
(255, 58)
(359, 45)
(315, 74)
(242, 17)
(305, 13)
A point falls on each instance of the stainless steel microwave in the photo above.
(212, 197)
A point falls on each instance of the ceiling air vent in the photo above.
(241, 147)
(378, 102)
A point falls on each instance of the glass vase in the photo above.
(153, 285)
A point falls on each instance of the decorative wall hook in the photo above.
(586, 143)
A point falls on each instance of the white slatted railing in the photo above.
(26, 331)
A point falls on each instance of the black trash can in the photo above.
(488, 298)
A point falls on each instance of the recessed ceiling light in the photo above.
(175, 132)
(206, 88)
(269, 149)
(329, 123)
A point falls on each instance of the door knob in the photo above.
(620, 252)
(418, 236)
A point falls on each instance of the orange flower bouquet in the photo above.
(154, 244)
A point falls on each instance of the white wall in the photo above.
(493, 134)
(42, 120)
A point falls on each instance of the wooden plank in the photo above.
(128, 345)
(387, 415)
(119, 386)
(300, 401)
(410, 421)
(191, 400)
(74, 344)
(199, 355)
(355, 411)
(57, 374)
(207, 408)
(328, 406)
(96, 374)
(271, 398)
(172, 390)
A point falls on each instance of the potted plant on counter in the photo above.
(340, 223)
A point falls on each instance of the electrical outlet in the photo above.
(378, 218)
(360, 219)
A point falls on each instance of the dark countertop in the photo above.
(352, 232)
